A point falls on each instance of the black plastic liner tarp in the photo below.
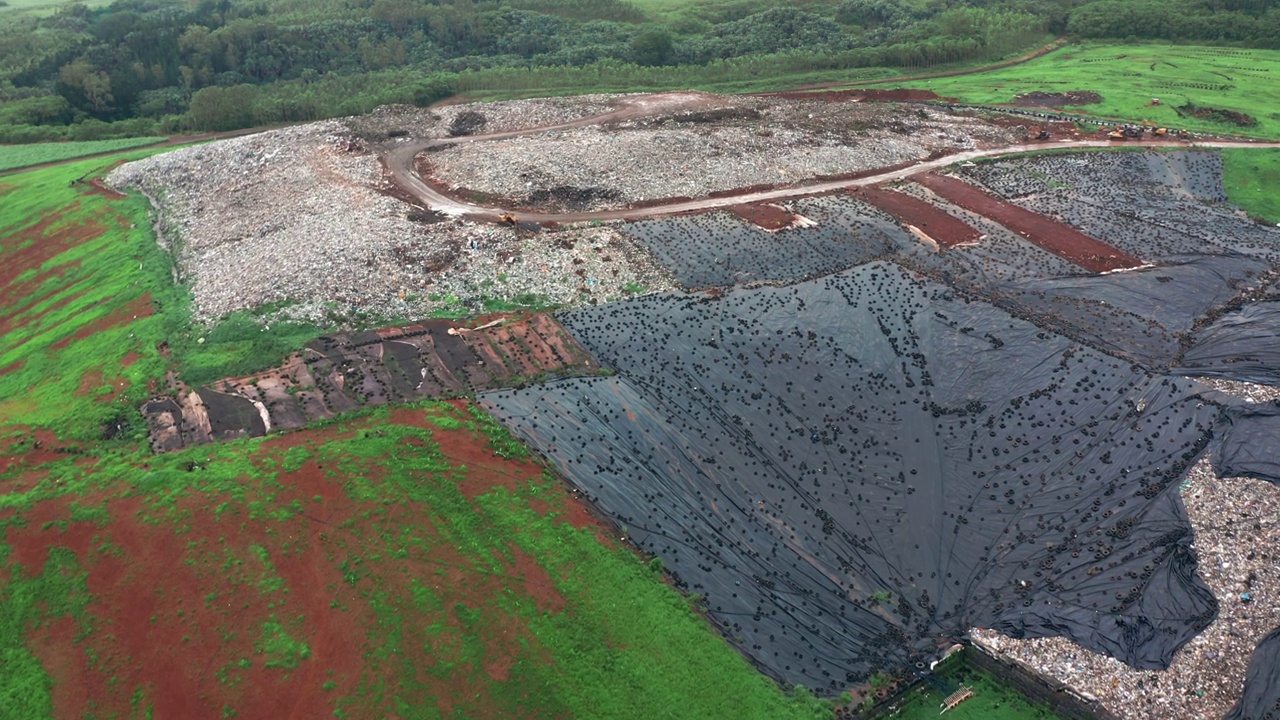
(718, 249)
(1261, 698)
(856, 470)
(1248, 443)
(1241, 345)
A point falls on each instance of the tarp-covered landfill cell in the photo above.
(857, 469)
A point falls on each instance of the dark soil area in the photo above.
(568, 197)
(1218, 115)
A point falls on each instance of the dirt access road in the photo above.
(399, 161)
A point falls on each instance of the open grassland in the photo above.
(1252, 180)
(1128, 77)
(410, 562)
(20, 156)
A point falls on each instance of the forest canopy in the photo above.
(146, 67)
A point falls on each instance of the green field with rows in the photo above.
(1129, 77)
(20, 156)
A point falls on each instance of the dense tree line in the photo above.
(158, 66)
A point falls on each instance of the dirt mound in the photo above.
(1217, 115)
(571, 197)
(467, 122)
(1053, 100)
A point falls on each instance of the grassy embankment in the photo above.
(1128, 77)
(1252, 180)
(20, 156)
(407, 562)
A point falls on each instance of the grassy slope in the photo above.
(1123, 75)
(20, 156)
(280, 546)
(1252, 180)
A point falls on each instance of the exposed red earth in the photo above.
(765, 215)
(941, 227)
(191, 643)
(138, 308)
(1058, 238)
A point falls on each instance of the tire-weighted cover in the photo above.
(1248, 443)
(855, 470)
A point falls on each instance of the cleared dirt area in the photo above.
(921, 218)
(1058, 238)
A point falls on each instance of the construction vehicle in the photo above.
(1160, 132)
(507, 219)
(1116, 134)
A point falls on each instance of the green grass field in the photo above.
(20, 156)
(1252, 181)
(411, 562)
(991, 700)
(1129, 76)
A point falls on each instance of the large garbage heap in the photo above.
(856, 454)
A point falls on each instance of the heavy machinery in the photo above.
(507, 219)
(1160, 132)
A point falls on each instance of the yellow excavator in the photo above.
(507, 219)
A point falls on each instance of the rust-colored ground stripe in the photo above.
(944, 228)
(1058, 238)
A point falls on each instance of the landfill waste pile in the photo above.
(731, 142)
(303, 218)
(856, 445)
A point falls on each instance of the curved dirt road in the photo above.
(399, 160)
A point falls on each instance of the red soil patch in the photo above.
(96, 187)
(1058, 238)
(537, 583)
(89, 382)
(35, 449)
(139, 308)
(12, 367)
(943, 227)
(32, 247)
(94, 379)
(129, 359)
(53, 644)
(764, 215)
(177, 598)
(20, 317)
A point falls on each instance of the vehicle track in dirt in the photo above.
(399, 162)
